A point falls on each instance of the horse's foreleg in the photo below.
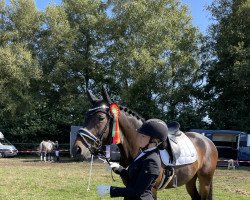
(45, 155)
(192, 189)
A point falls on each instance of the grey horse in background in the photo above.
(46, 148)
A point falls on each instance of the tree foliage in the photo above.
(229, 74)
(153, 51)
(147, 52)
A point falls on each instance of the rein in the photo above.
(85, 134)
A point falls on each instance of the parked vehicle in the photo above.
(230, 144)
(6, 148)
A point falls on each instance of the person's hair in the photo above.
(159, 143)
(154, 140)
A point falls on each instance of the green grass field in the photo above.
(30, 179)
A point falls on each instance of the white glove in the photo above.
(115, 167)
(103, 190)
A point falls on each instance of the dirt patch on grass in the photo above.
(242, 192)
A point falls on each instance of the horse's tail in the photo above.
(210, 195)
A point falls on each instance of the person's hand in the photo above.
(115, 167)
(103, 190)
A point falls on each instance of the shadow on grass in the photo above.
(63, 160)
(238, 168)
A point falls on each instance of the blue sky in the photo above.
(197, 10)
(201, 17)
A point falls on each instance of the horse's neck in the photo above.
(129, 136)
(46, 145)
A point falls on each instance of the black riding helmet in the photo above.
(155, 128)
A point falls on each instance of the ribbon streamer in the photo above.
(115, 111)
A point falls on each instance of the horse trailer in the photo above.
(73, 134)
(230, 144)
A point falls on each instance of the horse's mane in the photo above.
(131, 112)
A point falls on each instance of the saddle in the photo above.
(173, 133)
(170, 155)
(180, 150)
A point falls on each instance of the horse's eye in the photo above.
(101, 118)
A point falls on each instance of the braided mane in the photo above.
(131, 112)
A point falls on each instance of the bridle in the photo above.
(96, 147)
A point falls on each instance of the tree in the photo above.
(145, 51)
(153, 50)
(19, 69)
(229, 74)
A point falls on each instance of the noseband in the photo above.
(86, 135)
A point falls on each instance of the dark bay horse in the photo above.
(98, 123)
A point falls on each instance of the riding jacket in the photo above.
(140, 177)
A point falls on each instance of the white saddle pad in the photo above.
(188, 152)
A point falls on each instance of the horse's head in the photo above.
(98, 129)
(95, 132)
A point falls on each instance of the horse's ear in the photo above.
(105, 95)
(91, 97)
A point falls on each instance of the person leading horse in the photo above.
(142, 173)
